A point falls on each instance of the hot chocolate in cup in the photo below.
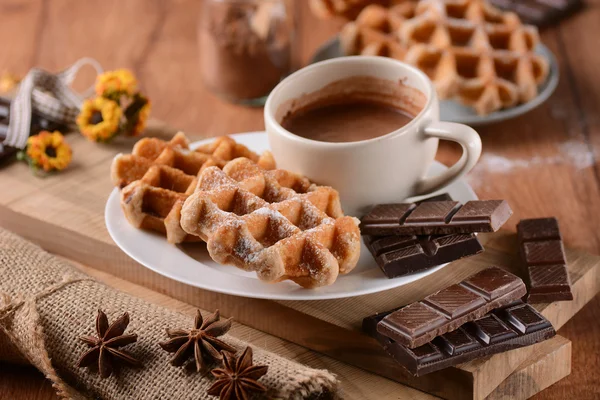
(367, 126)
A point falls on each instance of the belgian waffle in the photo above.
(375, 31)
(275, 223)
(473, 52)
(158, 176)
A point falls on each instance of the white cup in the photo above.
(385, 169)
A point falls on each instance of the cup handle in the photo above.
(470, 141)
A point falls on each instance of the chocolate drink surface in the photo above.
(346, 122)
(351, 109)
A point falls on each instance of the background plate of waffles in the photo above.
(454, 111)
(190, 262)
(486, 64)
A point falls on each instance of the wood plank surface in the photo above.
(544, 163)
(548, 361)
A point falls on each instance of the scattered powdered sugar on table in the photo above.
(572, 153)
(578, 153)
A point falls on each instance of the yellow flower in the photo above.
(99, 119)
(140, 118)
(8, 82)
(48, 151)
(116, 83)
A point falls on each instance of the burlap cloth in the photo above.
(46, 304)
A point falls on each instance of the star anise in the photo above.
(105, 348)
(200, 342)
(239, 378)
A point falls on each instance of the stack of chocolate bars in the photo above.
(480, 316)
(412, 237)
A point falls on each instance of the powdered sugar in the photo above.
(574, 153)
(268, 212)
(246, 249)
(311, 216)
(284, 228)
(578, 153)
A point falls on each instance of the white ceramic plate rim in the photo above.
(154, 252)
(453, 111)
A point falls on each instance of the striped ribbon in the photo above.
(48, 94)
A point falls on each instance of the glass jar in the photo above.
(245, 47)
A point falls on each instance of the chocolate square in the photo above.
(544, 252)
(454, 301)
(492, 282)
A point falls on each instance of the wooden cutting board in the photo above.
(65, 214)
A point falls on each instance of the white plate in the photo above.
(453, 111)
(191, 264)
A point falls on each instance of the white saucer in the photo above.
(453, 111)
(191, 264)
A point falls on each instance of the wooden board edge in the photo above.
(546, 367)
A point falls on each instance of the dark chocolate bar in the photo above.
(540, 12)
(544, 260)
(435, 218)
(449, 308)
(403, 255)
(516, 325)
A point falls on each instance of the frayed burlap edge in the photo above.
(31, 345)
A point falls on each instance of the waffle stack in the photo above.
(473, 52)
(159, 175)
(275, 223)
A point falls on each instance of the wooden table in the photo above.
(543, 163)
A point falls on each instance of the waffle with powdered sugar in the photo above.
(275, 223)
